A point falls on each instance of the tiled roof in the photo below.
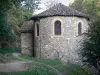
(60, 10)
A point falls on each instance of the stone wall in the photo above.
(27, 44)
(64, 47)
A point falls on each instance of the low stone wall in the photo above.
(27, 44)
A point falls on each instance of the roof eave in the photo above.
(38, 17)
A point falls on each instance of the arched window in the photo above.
(37, 29)
(57, 27)
(79, 28)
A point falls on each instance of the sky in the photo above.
(43, 6)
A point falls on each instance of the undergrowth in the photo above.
(9, 50)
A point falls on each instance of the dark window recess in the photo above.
(79, 28)
(57, 27)
(37, 29)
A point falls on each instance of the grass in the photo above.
(34, 69)
(39, 69)
(35, 72)
(45, 61)
(68, 69)
(73, 69)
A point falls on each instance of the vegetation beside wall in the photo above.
(9, 50)
(91, 45)
(13, 14)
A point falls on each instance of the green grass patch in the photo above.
(72, 69)
(9, 50)
(35, 72)
(45, 61)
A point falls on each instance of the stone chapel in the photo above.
(54, 34)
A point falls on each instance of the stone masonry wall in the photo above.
(26, 43)
(64, 47)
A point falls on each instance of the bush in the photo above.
(9, 50)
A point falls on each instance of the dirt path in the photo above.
(14, 66)
(23, 65)
(50, 67)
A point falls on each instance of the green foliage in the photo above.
(6, 33)
(41, 70)
(5, 5)
(17, 15)
(5, 29)
(9, 50)
(87, 70)
(13, 14)
(91, 45)
(30, 5)
(73, 69)
(90, 7)
(78, 5)
(34, 72)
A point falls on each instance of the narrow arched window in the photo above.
(79, 28)
(57, 27)
(37, 26)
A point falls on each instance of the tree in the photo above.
(16, 17)
(78, 5)
(89, 7)
(30, 5)
(6, 33)
(91, 44)
(51, 3)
